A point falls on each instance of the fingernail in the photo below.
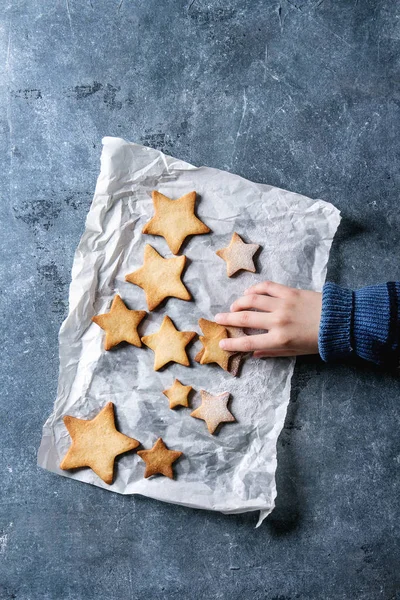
(222, 344)
(232, 307)
(217, 317)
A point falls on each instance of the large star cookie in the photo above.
(174, 220)
(160, 277)
(120, 324)
(178, 394)
(238, 255)
(159, 459)
(168, 344)
(96, 443)
(213, 410)
(211, 352)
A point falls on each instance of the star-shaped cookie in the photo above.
(160, 277)
(178, 394)
(238, 255)
(236, 360)
(213, 410)
(159, 459)
(211, 352)
(168, 344)
(120, 324)
(96, 443)
(174, 220)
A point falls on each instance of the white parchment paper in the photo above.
(233, 471)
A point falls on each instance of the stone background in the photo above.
(301, 94)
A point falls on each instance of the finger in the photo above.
(247, 343)
(254, 320)
(257, 301)
(277, 290)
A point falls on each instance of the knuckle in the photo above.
(282, 340)
(227, 344)
(246, 345)
(281, 318)
(253, 299)
(288, 305)
(244, 319)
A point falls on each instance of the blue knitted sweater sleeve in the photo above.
(365, 323)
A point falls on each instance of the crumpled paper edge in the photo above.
(76, 265)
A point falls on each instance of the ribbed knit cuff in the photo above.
(334, 339)
(394, 325)
(375, 320)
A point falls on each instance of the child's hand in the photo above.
(290, 317)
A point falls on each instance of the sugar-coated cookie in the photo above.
(213, 410)
(238, 255)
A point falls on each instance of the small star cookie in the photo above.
(211, 352)
(168, 344)
(120, 324)
(160, 277)
(213, 410)
(96, 443)
(178, 394)
(159, 459)
(238, 255)
(174, 220)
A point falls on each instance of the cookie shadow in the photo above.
(187, 241)
(290, 501)
(347, 230)
(256, 259)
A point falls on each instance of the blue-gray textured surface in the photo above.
(302, 94)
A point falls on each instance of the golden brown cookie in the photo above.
(213, 410)
(160, 277)
(174, 220)
(238, 255)
(168, 344)
(236, 360)
(159, 459)
(96, 443)
(211, 352)
(120, 324)
(178, 394)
